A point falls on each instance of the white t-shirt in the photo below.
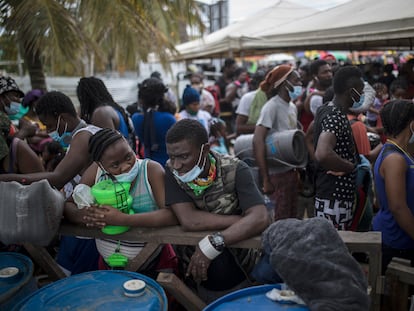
(315, 102)
(202, 116)
(278, 115)
(245, 103)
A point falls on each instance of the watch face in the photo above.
(217, 241)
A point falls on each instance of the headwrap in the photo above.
(275, 77)
(4, 133)
(7, 84)
(31, 97)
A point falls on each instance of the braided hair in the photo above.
(396, 116)
(92, 93)
(151, 93)
(152, 96)
(101, 140)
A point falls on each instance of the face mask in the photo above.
(411, 141)
(130, 175)
(297, 90)
(359, 103)
(13, 109)
(384, 97)
(64, 139)
(194, 172)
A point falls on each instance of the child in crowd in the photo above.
(52, 154)
(381, 97)
(218, 136)
(191, 105)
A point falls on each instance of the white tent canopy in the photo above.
(355, 25)
(232, 37)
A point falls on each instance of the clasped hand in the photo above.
(100, 215)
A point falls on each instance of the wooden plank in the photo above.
(403, 272)
(369, 242)
(356, 241)
(142, 257)
(172, 284)
(42, 257)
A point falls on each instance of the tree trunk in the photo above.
(35, 67)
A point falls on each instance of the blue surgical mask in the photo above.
(64, 139)
(194, 172)
(130, 175)
(13, 109)
(359, 103)
(297, 90)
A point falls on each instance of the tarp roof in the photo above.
(233, 36)
(355, 25)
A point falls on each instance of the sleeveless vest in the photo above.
(221, 196)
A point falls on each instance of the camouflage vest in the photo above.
(221, 196)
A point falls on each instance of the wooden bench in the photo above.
(398, 278)
(368, 242)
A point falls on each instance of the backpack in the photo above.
(213, 89)
(363, 210)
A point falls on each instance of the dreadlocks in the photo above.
(101, 140)
(151, 93)
(92, 93)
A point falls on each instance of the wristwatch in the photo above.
(217, 240)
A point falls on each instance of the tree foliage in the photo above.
(67, 34)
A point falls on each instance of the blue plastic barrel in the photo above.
(98, 290)
(16, 279)
(252, 298)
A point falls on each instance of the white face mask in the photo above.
(128, 176)
(194, 172)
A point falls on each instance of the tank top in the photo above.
(392, 234)
(143, 201)
(123, 126)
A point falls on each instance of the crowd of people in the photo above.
(179, 162)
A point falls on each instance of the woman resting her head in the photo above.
(394, 183)
(114, 159)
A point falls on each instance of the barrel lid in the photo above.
(10, 263)
(252, 298)
(97, 290)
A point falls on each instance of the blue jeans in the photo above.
(263, 271)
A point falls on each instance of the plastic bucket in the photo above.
(252, 298)
(117, 195)
(283, 149)
(99, 290)
(16, 279)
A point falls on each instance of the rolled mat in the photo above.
(283, 149)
